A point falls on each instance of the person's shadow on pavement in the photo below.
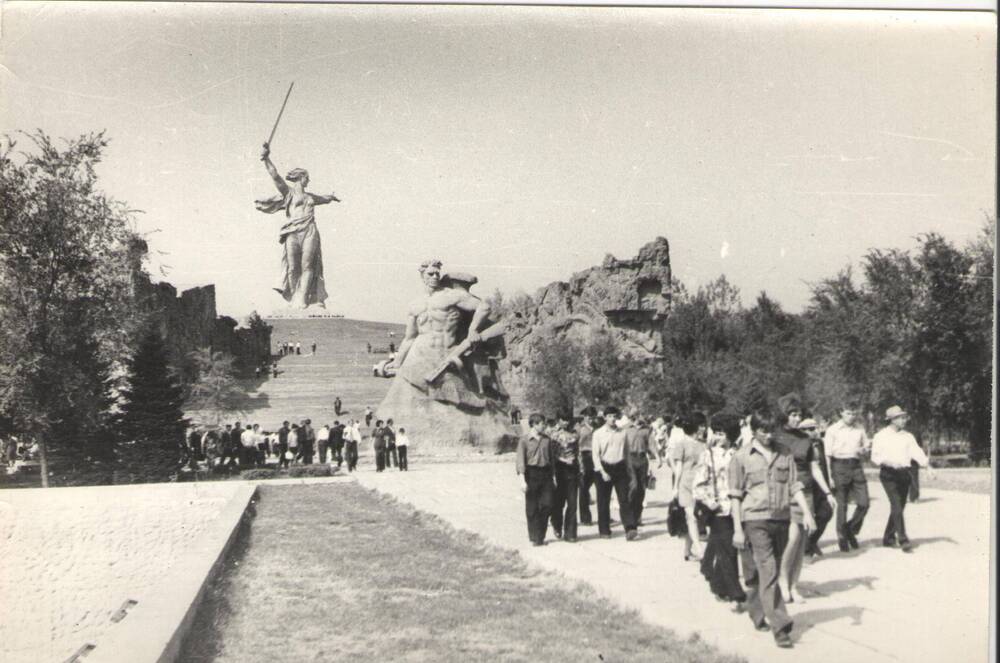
(932, 539)
(806, 621)
(835, 586)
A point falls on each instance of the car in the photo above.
(384, 369)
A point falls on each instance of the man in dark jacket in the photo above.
(337, 441)
(378, 445)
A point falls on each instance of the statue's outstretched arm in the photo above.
(319, 199)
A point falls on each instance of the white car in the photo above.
(384, 369)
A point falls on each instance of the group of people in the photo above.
(289, 348)
(239, 447)
(390, 446)
(751, 495)
(243, 447)
(14, 450)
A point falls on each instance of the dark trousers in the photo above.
(640, 463)
(379, 459)
(914, 481)
(282, 460)
(586, 481)
(338, 452)
(322, 450)
(567, 491)
(849, 482)
(897, 489)
(766, 541)
(822, 513)
(391, 457)
(720, 563)
(351, 451)
(620, 480)
(404, 465)
(538, 500)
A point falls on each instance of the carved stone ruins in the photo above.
(628, 298)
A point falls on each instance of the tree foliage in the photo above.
(151, 424)
(66, 255)
(216, 392)
(913, 328)
(567, 373)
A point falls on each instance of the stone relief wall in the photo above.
(628, 298)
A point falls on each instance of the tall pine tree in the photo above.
(152, 423)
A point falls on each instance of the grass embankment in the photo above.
(967, 480)
(336, 572)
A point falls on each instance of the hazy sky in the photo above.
(519, 144)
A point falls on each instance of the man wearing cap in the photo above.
(846, 444)
(893, 449)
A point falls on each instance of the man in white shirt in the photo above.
(402, 444)
(248, 450)
(846, 444)
(613, 472)
(322, 441)
(352, 438)
(893, 449)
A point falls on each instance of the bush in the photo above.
(310, 471)
(251, 475)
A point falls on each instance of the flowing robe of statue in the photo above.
(299, 237)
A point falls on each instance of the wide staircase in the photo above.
(307, 384)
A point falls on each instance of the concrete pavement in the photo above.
(872, 605)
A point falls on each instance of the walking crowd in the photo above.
(750, 495)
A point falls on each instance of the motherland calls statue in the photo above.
(301, 282)
(447, 390)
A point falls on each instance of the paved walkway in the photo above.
(875, 604)
(73, 556)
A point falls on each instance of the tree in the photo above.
(215, 391)
(152, 423)
(982, 297)
(67, 254)
(607, 373)
(553, 380)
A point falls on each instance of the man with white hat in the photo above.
(893, 449)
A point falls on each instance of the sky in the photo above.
(520, 144)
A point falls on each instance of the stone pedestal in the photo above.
(432, 425)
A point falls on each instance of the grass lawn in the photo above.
(336, 572)
(968, 480)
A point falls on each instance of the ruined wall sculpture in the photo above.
(628, 298)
